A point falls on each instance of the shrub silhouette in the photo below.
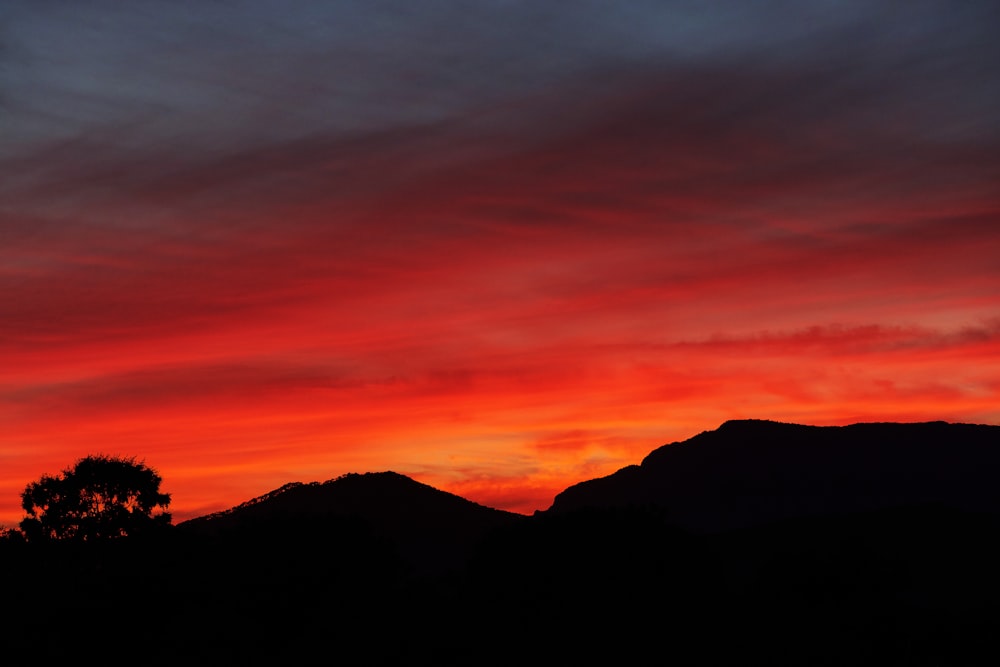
(100, 497)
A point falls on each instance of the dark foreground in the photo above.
(755, 544)
(915, 586)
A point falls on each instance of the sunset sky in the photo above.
(498, 246)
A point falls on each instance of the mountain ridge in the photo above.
(754, 471)
(767, 440)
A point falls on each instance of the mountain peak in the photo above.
(369, 493)
(432, 530)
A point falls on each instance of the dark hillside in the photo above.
(751, 472)
(432, 530)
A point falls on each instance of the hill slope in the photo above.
(431, 529)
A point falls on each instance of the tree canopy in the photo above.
(99, 497)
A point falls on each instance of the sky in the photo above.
(499, 246)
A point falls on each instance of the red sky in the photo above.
(468, 251)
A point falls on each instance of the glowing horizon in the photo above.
(500, 252)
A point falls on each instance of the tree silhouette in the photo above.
(99, 497)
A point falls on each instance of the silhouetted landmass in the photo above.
(752, 472)
(431, 529)
(756, 544)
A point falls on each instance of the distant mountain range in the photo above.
(745, 473)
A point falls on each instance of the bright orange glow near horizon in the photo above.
(499, 298)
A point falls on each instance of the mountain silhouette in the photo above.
(751, 472)
(431, 529)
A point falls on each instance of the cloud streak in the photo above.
(257, 246)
